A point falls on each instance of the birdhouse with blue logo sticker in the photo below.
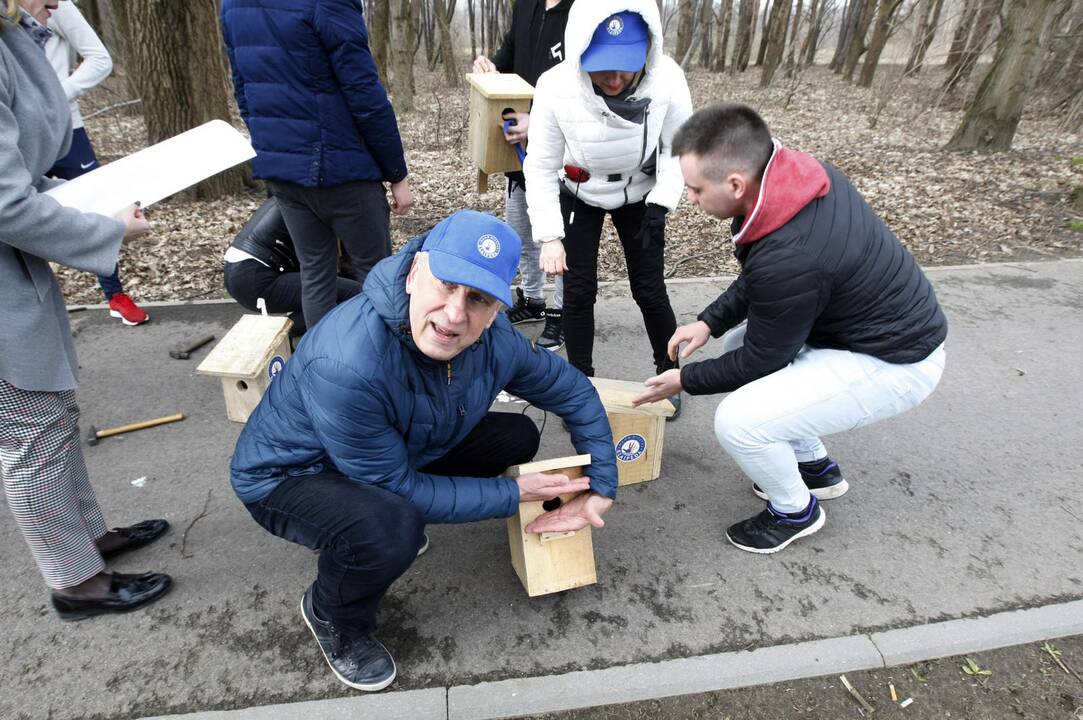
(550, 562)
(638, 432)
(491, 96)
(247, 359)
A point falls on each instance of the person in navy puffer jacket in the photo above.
(324, 131)
(380, 423)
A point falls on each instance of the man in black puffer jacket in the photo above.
(830, 326)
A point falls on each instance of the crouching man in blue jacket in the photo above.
(380, 423)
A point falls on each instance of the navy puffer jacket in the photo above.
(307, 88)
(360, 397)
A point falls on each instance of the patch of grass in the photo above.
(974, 670)
(1076, 225)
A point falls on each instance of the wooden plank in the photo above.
(551, 466)
(505, 86)
(247, 347)
(619, 394)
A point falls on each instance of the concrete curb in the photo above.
(706, 673)
(935, 269)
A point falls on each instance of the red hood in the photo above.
(791, 181)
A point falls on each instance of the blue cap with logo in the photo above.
(477, 250)
(620, 42)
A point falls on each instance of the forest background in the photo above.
(960, 120)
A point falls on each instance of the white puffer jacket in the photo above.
(570, 124)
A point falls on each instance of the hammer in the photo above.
(185, 351)
(93, 435)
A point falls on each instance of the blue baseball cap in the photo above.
(477, 250)
(620, 42)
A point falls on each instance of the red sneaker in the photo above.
(121, 306)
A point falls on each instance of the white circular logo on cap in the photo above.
(615, 26)
(489, 246)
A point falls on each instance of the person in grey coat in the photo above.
(41, 460)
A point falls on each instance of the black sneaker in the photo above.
(770, 531)
(552, 337)
(525, 309)
(822, 478)
(676, 400)
(360, 662)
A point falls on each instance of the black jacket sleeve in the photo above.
(728, 310)
(785, 292)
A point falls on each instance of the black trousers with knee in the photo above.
(646, 276)
(367, 536)
(249, 280)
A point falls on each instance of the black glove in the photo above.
(653, 229)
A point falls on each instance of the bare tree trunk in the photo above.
(880, 33)
(686, 14)
(990, 122)
(791, 57)
(379, 24)
(176, 64)
(444, 10)
(765, 29)
(720, 47)
(848, 27)
(775, 41)
(810, 35)
(959, 37)
(857, 42)
(740, 37)
(473, 31)
(404, 28)
(706, 22)
(1064, 42)
(975, 46)
(923, 37)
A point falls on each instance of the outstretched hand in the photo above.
(577, 513)
(659, 387)
(695, 334)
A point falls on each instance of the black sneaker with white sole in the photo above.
(525, 309)
(360, 662)
(552, 335)
(823, 478)
(770, 531)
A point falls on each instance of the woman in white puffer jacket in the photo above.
(599, 142)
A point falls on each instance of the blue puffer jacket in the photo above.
(360, 397)
(307, 88)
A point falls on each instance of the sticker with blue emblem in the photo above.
(275, 366)
(615, 26)
(489, 246)
(630, 447)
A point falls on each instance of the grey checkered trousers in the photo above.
(46, 483)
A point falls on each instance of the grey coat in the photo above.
(36, 349)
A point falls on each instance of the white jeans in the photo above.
(531, 276)
(771, 424)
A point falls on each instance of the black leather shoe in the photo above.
(360, 662)
(126, 593)
(138, 535)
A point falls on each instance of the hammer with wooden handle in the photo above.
(185, 351)
(93, 435)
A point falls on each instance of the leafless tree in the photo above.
(378, 20)
(928, 22)
(176, 63)
(959, 68)
(775, 40)
(706, 23)
(404, 30)
(881, 31)
(686, 21)
(990, 122)
(858, 46)
(791, 57)
(725, 21)
(742, 47)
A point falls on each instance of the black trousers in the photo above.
(367, 536)
(356, 213)
(249, 280)
(646, 275)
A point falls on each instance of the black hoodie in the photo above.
(535, 41)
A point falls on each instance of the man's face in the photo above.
(718, 198)
(40, 10)
(445, 318)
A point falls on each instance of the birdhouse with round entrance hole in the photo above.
(491, 96)
(638, 432)
(247, 359)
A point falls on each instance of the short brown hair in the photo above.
(733, 137)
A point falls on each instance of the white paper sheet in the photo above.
(158, 171)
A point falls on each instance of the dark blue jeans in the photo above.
(367, 536)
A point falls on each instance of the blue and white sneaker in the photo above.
(823, 478)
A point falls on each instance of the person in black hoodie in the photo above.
(830, 326)
(533, 44)
(261, 263)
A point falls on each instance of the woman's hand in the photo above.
(135, 223)
(553, 259)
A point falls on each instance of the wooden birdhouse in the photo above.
(247, 359)
(491, 95)
(550, 562)
(638, 432)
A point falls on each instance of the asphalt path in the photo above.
(967, 506)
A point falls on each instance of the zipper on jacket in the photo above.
(449, 372)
